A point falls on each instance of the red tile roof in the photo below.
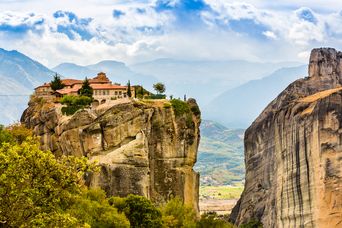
(107, 86)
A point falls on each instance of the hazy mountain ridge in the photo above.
(238, 107)
(220, 155)
(19, 74)
(205, 79)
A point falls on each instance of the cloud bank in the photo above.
(134, 31)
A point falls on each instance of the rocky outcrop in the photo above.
(293, 152)
(142, 147)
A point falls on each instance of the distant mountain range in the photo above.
(238, 107)
(203, 80)
(19, 75)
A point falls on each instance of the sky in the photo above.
(88, 31)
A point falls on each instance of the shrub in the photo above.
(156, 96)
(180, 107)
(74, 103)
(36, 188)
(176, 214)
(14, 133)
(93, 208)
(212, 220)
(139, 211)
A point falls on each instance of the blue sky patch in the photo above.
(249, 27)
(118, 13)
(75, 26)
(306, 14)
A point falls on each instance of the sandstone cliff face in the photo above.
(142, 148)
(293, 152)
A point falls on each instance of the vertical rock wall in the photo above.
(293, 153)
(142, 148)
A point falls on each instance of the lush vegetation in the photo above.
(129, 92)
(180, 107)
(56, 83)
(86, 89)
(40, 190)
(159, 88)
(220, 158)
(74, 103)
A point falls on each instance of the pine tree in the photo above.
(56, 83)
(86, 89)
(129, 92)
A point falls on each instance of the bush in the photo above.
(176, 214)
(139, 211)
(74, 103)
(180, 107)
(36, 188)
(156, 96)
(212, 220)
(93, 208)
(15, 133)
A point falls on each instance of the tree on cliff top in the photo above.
(129, 92)
(56, 83)
(86, 89)
(159, 87)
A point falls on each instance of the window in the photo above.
(116, 92)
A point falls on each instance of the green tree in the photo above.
(86, 89)
(159, 88)
(176, 214)
(93, 208)
(36, 188)
(212, 220)
(74, 103)
(56, 83)
(129, 92)
(140, 211)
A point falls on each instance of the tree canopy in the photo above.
(129, 92)
(86, 89)
(56, 83)
(159, 87)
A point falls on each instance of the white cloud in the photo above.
(142, 33)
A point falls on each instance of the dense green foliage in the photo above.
(213, 221)
(74, 103)
(180, 107)
(159, 88)
(129, 92)
(176, 214)
(86, 89)
(56, 83)
(139, 211)
(93, 208)
(40, 190)
(156, 96)
(140, 92)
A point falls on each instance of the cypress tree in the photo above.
(56, 83)
(86, 89)
(129, 92)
